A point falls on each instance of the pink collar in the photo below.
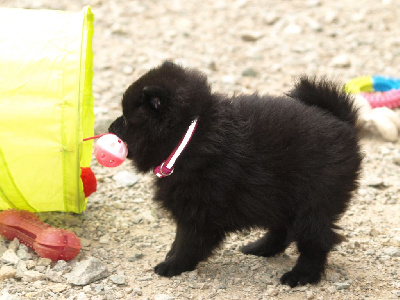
(167, 166)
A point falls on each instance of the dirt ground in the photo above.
(243, 46)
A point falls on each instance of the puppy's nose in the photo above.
(118, 127)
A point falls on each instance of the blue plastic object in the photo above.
(384, 83)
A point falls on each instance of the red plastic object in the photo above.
(48, 242)
(89, 181)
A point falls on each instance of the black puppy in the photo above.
(286, 164)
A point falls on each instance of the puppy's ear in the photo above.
(155, 96)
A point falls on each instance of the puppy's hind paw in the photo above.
(294, 278)
(265, 246)
(170, 267)
(163, 269)
(255, 249)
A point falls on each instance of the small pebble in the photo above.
(341, 285)
(23, 253)
(21, 268)
(54, 276)
(313, 3)
(138, 200)
(118, 279)
(14, 245)
(396, 241)
(137, 291)
(85, 242)
(392, 251)
(44, 262)
(7, 272)
(250, 72)
(82, 296)
(105, 239)
(341, 61)
(97, 288)
(228, 79)
(31, 276)
(145, 278)
(127, 70)
(61, 266)
(374, 181)
(125, 178)
(251, 36)
(58, 287)
(138, 255)
(41, 269)
(3, 248)
(271, 18)
(396, 293)
(309, 295)
(164, 297)
(293, 29)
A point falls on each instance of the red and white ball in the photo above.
(110, 151)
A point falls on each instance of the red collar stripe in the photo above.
(167, 167)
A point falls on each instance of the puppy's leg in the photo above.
(314, 241)
(309, 267)
(189, 248)
(273, 242)
(171, 251)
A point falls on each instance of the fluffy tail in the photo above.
(327, 96)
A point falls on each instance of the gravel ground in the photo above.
(243, 46)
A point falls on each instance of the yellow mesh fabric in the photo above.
(46, 108)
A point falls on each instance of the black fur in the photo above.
(285, 164)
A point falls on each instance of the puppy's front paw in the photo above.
(171, 267)
(294, 278)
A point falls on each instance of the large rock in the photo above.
(10, 257)
(87, 271)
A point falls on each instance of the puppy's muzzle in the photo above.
(118, 127)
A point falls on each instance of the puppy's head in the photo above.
(157, 109)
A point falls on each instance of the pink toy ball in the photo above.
(110, 151)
